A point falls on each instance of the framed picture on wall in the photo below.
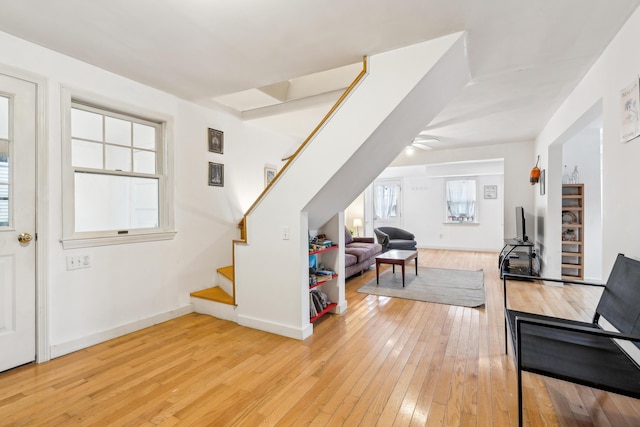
(630, 112)
(215, 141)
(216, 174)
(490, 191)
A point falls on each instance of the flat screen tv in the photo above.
(521, 227)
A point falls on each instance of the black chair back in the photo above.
(620, 301)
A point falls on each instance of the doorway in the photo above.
(18, 130)
(579, 147)
(387, 203)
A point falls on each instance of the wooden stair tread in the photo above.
(227, 272)
(216, 294)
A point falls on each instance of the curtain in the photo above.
(461, 200)
(386, 199)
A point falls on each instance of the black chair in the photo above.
(582, 352)
(395, 238)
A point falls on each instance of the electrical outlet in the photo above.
(75, 262)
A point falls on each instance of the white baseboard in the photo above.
(61, 349)
(275, 328)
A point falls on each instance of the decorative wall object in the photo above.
(543, 183)
(216, 174)
(534, 177)
(629, 114)
(490, 191)
(269, 174)
(215, 140)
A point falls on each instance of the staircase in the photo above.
(217, 301)
(395, 97)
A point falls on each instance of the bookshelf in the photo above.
(573, 231)
(321, 260)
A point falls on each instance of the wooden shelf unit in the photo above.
(572, 231)
(318, 283)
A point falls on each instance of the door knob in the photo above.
(25, 238)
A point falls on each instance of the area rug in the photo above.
(440, 285)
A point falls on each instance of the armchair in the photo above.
(395, 238)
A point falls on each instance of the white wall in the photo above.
(131, 285)
(616, 68)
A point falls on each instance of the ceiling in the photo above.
(282, 63)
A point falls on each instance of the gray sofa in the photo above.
(359, 253)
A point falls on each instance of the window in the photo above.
(115, 178)
(461, 201)
(386, 202)
(5, 143)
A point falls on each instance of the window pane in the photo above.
(86, 125)
(144, 202)
(4, 162)
(4, 205)
(117, 131)
(144, 136)
(117, 159)
(386, 201)
(4, 183)
(107, 203)
(144, 161)
(4, 117)
(86, 154)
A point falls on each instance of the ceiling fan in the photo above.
(423, 142)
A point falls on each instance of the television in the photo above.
(521, 227)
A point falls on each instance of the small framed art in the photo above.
(215, 141)
(216, 174)
(490, 191)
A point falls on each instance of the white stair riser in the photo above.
(225, 284)
(215, 309)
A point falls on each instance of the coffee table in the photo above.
(396, 257)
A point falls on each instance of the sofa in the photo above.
(395, 238)
(359, 253)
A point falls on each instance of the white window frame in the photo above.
(166, 228)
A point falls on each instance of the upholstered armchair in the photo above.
(395, 238)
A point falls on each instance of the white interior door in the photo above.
(17, 222)
(387, 204)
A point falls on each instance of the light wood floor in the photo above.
(384, 362)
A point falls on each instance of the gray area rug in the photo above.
(440, 285)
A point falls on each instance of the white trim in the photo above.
(116, 240)
(61, 349)
(276, 328)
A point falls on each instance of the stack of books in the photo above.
(318, 301)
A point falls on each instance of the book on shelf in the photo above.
(312, 307)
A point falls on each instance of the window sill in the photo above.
(460, 223)
(87, 242)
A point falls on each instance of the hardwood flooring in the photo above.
(384, 362)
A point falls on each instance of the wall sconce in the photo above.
(534, 177)
(357, 223)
